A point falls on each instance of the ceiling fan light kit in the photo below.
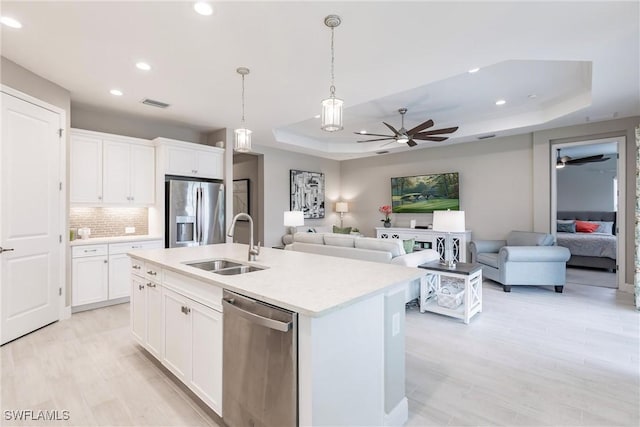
(242, 136)
(331, 116)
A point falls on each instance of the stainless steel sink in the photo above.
(242, 269)
(214, 264)
(224, 267)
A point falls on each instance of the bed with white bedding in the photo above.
(597, 249)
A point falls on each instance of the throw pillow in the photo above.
(408, 245)
(605, 227)
(311, 230)
(342, 230)
(566, 226)
(586, 227)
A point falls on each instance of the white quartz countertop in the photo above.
(309, 284)
(119, 239)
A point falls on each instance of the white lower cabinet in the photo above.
(101, 273)
(193, 346)
(90, 277)
(185, 335)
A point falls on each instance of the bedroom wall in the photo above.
(587, 187)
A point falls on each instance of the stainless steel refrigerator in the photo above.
(194, 212)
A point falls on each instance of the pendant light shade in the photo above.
(242, 140)
(242, 136)
(331, 117)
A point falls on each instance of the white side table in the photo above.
(430, 285)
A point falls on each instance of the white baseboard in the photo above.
(66, 313)
(627, 287)
(398, 415)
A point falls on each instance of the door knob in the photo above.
(5, 249)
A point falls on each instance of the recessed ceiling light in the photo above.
(115, 92)
(10, 22)
(363, 132)
(474, 70)
(143, 66)
(317, 116)
(501, 102)
(203, 8)
(532, 96)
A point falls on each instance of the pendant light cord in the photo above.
(332, 89)
(242, 120)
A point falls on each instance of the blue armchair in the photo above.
(525, 258)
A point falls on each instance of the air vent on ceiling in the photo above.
(493, 135)
(154, 103)
(381, 152)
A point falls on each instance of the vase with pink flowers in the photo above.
(386, 210)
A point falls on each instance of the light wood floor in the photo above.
(531, 358)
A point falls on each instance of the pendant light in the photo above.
(331, 116)
(242, 143)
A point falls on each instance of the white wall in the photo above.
(100, 120)
(587, 187)
(495, 185)
(277, 164)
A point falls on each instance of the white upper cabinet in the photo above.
(122, 170)
(189, 159)
(86, 169)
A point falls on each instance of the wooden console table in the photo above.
(429, 239)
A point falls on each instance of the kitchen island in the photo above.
(350, 338)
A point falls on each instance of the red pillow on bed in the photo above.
(586, 226)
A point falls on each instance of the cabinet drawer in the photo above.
(123, 248)
(88, 250)
(153, 271)
(209, 295)
(137, 267)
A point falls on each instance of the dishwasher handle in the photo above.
(262, 321)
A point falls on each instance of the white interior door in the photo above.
(29, 217)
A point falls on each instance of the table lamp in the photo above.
(341, 208)
(292, 219)
(448, 222)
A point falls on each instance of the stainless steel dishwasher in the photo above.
(260, 364)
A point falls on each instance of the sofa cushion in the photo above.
(529, 238)
(417, 258)
(314, 229)
(341, 230)
(342, 240)
(352, 253)
(317, 238)
(393, 246)
(489, 259)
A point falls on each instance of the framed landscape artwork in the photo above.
(241, 197)
(425, 193)
(307, 193)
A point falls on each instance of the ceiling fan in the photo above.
(562, 161)
(403, 136)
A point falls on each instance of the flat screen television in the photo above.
(425, 193)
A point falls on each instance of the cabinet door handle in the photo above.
(185, 309)
(136, 267)
(99, 197)
(141, 287)
(135, 247)
(5, 249)
(90, 250)
(151, 273)
(105, 261)
(151, 285)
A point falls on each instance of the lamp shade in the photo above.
(448, 221)
(331, 117)
(293, 218)
(342, 207)
(242, 140)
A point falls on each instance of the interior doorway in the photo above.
(248, 195)
(587, 208)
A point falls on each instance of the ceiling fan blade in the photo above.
(588, 159)
(373, 134)
(378, 139)
(388, 143)
(395, 132)
(421, 126)
(438, 131)
(578, 162)
(411, 143)
(430, 138)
